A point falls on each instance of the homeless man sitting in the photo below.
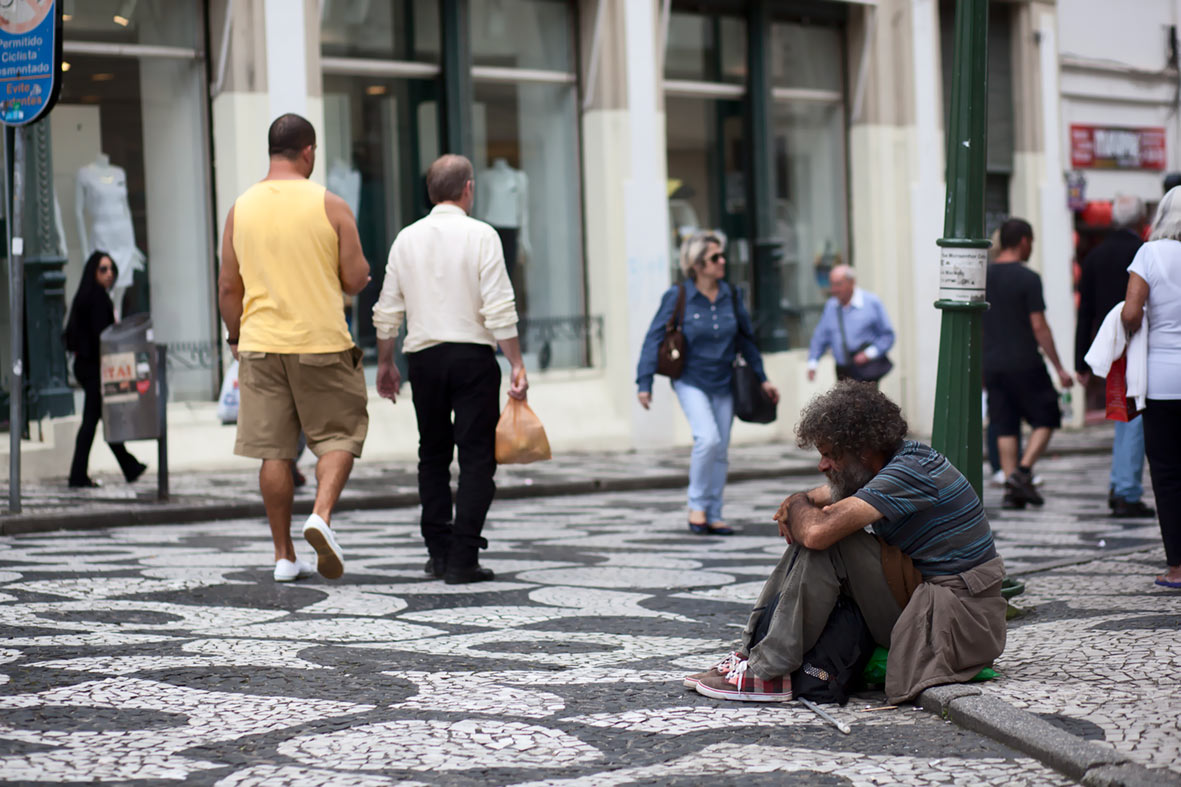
(927, 580)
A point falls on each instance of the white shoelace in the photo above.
(727, 664)
(736, 672)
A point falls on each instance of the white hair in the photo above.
(842, 271)
(1166, 224)
(1127, 210)
(694, 247)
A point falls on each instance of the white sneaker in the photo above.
(998, 478)
(289, 570)
(330, 560)
(1037, 480)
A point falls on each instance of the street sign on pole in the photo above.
(30, 81)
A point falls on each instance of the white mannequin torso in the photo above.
(104, 217)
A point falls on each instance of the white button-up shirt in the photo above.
(446, 277)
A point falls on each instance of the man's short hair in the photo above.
(851, 420)
(843, 271)
(447, 177)
(1013, 232)
(1127, 210)
(289, 135)
(1172, 181)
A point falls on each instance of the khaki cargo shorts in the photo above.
(281, 393)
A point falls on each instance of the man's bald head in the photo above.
(448, 178)
(840, 283)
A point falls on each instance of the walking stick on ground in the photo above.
(812, 706)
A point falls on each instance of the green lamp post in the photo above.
(963, 258)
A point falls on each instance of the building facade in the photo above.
(810, 132)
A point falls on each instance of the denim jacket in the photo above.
(712, 339)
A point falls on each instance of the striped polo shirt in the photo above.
(929, 511)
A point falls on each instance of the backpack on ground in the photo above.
(832, 668)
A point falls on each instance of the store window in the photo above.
(809, 148)
(131, 170)
(525, 151)
(705, 135)
(380, 29)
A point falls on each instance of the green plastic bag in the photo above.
(875, 670)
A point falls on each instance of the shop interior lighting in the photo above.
(126, 11)
(103, 76)
(375, 90)
(65, 65)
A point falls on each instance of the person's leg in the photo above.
(1162, 443)
(1007, 446)
(723, 412)
(1127, 460)
(475, 397)
(1004, 420)
(274, 479)
(91, 413)
(706, 442)
(994, 454)
(428, 374)
(332, 472)
(1038, 440)
(132, 468)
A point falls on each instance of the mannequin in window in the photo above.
(104, 220)
(502, 200)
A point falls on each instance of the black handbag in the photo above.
(751, 402)
(869, 372)
(670, 356)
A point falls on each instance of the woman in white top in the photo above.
(1155, 281)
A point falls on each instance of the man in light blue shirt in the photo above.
(854, 323)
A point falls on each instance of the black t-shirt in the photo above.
(1013, 292)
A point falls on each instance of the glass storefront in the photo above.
(709, 156)
(131, 170)
(381, 133)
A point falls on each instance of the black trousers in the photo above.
(92, 412)
(1162, 446)
(456, 391)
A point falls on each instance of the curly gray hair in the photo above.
(852, 419)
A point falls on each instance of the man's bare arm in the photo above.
(819, 527)
(354, 268)
(230, 287)
(1045, 340)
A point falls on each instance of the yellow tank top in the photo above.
(289, 256)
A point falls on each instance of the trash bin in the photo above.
(130, 381)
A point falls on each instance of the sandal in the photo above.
(699, 528)
(720, 529)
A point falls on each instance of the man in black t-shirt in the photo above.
(1015, 376)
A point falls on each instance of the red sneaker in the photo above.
(742, 686)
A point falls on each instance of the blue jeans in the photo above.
(709, 417)
(1127, 460)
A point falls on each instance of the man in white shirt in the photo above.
(446, 277)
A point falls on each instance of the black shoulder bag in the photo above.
(869, 372)
(751, 402)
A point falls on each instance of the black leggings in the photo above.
(1162, 445)
(92, 413)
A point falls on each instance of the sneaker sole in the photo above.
(742, 696)
(329, 562)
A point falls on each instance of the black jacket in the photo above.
(1103, 284)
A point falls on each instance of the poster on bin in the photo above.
(30, 59)
(125, 376)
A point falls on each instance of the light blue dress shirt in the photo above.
(865, 322)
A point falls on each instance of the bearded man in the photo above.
(927, 578)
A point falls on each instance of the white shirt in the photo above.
(446, 277)
(1110, 343)
(1158, 262)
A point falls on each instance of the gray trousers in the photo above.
(803, 589)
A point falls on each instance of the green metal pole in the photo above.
(964, 250)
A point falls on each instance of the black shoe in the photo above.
(462, 576)
(1020, 486)
(435, 567)
(1012, 502)
(85, 483)
(1125, 509)
(135, 473)
(1111, 498)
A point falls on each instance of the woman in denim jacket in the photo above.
(713, 340)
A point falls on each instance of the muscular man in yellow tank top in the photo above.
(290, 252)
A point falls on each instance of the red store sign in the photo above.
(1102, 147)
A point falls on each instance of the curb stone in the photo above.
(1092, 764)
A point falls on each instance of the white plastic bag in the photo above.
(227, 403)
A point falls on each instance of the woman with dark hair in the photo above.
(90, 313)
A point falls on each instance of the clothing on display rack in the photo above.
(502, 200)
(104, 219)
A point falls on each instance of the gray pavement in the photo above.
(166, 653)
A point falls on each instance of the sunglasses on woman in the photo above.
(104, 268)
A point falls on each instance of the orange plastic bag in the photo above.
(520, 437)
